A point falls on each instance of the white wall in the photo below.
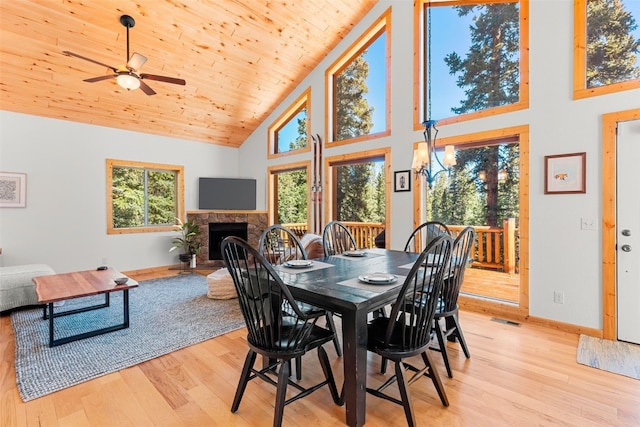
(65, 221)
(562, 256)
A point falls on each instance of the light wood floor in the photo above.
(517, 376)
(492, 284)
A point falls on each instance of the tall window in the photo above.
(289, 194)
(358, 87)
(290, 132)
(487, 189)
(356, 192)
(143, 197)
(607, 50)
(473, 59)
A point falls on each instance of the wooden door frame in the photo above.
(609, 273)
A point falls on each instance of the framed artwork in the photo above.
(13, 190)
(565, 173)
(402, 181)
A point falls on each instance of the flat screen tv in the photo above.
(227, 194)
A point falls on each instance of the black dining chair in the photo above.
(336, 239)
(276, 335)
(279, 244)
(447, 307)
(424, 234)
(408, 330)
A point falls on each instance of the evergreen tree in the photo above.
(612, 51)
(354, 116)
(490, 76)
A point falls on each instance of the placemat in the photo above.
(317, 265)
(356, 283)
(358, 258)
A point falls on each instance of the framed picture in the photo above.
(13, 190)
(402, 181)
(565, 173)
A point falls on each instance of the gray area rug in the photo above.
(613, 356)
(165, 315)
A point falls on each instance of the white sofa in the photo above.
(16, 285)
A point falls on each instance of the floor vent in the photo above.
(506, 322)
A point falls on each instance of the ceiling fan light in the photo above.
(128, 81)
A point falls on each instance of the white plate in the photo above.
(378, 278)
(354, 253)
(298, 263)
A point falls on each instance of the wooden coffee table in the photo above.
(61, 287)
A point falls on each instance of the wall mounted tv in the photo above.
(227, 194)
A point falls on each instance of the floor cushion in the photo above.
(16, 285)
(221, 285)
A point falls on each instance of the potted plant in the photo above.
(189, 240)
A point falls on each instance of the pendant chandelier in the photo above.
(422, 156)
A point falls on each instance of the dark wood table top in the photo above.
(322, 286)
(58, 287)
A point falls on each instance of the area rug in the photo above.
(165, 315)
(613, 356)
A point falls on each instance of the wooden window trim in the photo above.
(418, 60)
(342, 159)
(521, 133)
(303, 101)
(111, 163)
(272, 171)
(381, 25)
(580, 89)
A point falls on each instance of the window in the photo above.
(358, 89)
(473, 59)
(289, 197)
(290, 132)
(357, 193)
(607, 47)
(488, 189)
(143, 197)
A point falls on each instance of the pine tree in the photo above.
(490, 76)
(612, 51)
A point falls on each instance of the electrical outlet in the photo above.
(587, 224)
(558, 297)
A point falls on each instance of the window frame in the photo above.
(521, 133)
(329, 194)
(272, 201)
(179, 170)
(381, 25)
(419, 109)
(580, 89)
(302, 102)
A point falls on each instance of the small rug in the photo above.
(165, 315)
(613, 356)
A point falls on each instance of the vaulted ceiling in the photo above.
(240, 59)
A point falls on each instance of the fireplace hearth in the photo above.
(253, 222)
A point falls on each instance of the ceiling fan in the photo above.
(129, 76)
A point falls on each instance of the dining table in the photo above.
(338, 284)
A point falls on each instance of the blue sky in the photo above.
(445, 94)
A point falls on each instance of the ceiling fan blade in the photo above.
(165, 79)
(146, 89)
(136, 61)
(99, 79)
(66, 52)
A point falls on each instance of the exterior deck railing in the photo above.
(495, 248)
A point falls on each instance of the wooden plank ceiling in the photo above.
(240, 59)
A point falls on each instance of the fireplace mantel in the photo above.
(256, 224)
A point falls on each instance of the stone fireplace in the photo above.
(226, 223)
